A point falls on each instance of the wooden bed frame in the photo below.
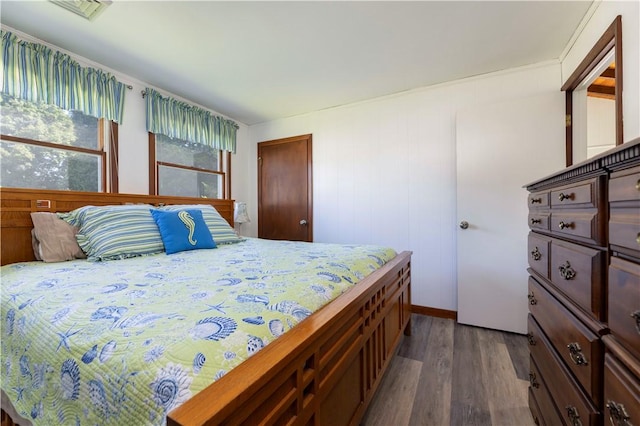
(322, 372)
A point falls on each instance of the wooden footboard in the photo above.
(5, 420)
(324, 371)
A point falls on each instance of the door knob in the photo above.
(303, 222)
(464, 224)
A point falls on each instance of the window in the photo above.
(45, 147)
(181, 168)
(186, 145)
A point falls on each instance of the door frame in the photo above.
(309, 140)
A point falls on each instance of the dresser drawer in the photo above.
(621, 394)
(571, 401)
(625, 185)
(538, 200)
(582, 195)
(624, 230)
(624, 219)
(578, 272)
(535, 410)
(538, 249)
(624, 303)
(546, 413)
(584, 226)
(579, 348)
(539, 220)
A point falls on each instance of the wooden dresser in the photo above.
(584, 292)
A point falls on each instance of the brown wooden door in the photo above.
(284, 189)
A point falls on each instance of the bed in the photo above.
(323, 370)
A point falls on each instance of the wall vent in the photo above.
(88, 9)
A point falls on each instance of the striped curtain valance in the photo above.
(181, 120)
(37, 73)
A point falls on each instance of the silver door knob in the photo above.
(303, 222)
(464, 224)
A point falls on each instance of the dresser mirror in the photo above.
(594, 99)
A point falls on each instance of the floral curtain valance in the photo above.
(180, 120)
(36, 73)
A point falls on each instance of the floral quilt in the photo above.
(126, 341)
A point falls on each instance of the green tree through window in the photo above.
(46, 147)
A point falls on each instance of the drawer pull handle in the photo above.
(532, 340)
(575, 352)
(562, 196)
(637, 185)
(638, 238)
(532, 380)
(532, 299)
(636, 315)
(563, 225)
(539, 200)
(574, 416)
(618, 414)
(536, 254)
(535, 221)
(566, 271)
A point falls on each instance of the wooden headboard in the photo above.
(16, 206)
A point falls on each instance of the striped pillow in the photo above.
(221, 232)
(77, 216)
(116, 232)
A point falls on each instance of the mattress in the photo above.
(127, 341)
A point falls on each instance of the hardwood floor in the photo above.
(453, 374)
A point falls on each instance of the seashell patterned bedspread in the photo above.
(126, 341)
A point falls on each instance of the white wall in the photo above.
(384, 171)
(601, 125)
(593, 30)
(406, 145)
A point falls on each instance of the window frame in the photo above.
(224, 169)
(114, 177)
(110, 156)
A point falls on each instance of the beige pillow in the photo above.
(35, 244)
(55, 239)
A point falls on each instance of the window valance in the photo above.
(181, 120)
(36, 73)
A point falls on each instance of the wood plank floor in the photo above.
(453, 374)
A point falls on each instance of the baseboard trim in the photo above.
(434, 312)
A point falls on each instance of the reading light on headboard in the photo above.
(43, 204)
(240, 214)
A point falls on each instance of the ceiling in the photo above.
(604, 86)
(260, 61)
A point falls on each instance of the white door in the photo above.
(500, 148)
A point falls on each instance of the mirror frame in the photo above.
(611, 39)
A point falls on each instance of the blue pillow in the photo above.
(221, 232)
(183, 230)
